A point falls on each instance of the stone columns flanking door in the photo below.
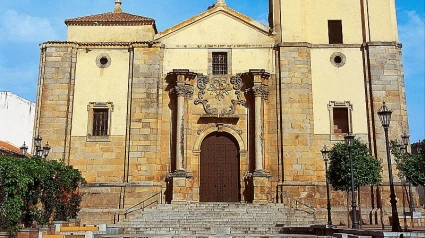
(260, 92)
(261, 177)
(183, 88)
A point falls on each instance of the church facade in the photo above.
(219, 108)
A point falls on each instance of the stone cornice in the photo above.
(100, 44)
(326, 46)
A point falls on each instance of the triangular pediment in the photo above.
(218, 25)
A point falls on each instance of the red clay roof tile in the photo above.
(111, 18)
(6, 146)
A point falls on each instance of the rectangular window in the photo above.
(219, 62)
(100, 122)
(340, 118)
(335, 32)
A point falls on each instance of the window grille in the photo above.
(100, 122)
(219, 62)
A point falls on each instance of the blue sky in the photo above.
(24, 24)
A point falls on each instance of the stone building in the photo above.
(220, 108)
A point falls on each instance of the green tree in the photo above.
(411, 167)
(33, 189)
(366, 169)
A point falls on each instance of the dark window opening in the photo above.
(219, 63)
(335, 32)
(103, 60)
(340, 118)
(100, 122)
(338, 59)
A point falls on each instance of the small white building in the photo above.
(16, 119)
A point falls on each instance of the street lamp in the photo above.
(349, 141)
(406, 140)
(24, 149)
(384, 114)
(41, 151)
(46, 150)
(325, 153)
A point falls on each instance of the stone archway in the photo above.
(219, 169)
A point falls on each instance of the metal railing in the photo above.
(140, 206)
(297, 205)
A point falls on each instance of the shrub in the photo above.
(411, 167)
(33, 189)
(366, 169)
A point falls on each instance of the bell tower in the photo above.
(274, 18)
(308, 20)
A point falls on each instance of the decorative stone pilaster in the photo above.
(183, 89)
(260, 92)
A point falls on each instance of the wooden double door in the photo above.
(219, 169)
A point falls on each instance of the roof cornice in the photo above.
(214, 10)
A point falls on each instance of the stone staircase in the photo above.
(211, 220)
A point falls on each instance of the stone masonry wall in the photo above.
(55, 97)
(297, 112)
(145, 115)
(304, 167)
(387, 84)
(99, 162)
(127, 169)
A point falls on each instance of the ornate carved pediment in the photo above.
(219, 95)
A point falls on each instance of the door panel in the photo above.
(219, 169)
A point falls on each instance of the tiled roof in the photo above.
(111, 18)
(8, 148)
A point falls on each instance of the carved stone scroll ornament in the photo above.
(202, 85)
(236, 81)
(220, 88)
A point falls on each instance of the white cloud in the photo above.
(412, 34)
(25, 28)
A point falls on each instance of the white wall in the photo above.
(16, 119)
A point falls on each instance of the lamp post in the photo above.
(325, 153)
(402, 149)
(349, 141)
(405, 138)
(24, 149)
(384, 114)
(41, 151)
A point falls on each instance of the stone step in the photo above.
(209, 236)
(222, 216)
(209, 230)
(211, 220)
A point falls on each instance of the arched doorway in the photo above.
(219, 169)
